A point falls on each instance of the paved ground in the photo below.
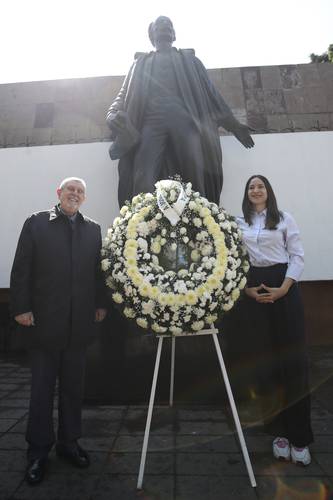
(193, 451)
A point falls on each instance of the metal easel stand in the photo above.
(213, 332)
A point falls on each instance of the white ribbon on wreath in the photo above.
(171, 212)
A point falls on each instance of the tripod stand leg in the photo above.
(149, 415)
(234, 413)
(172, 377)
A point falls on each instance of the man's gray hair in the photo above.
(70, 179)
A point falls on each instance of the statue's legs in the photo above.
(169, 137)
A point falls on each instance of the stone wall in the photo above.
(270, 99)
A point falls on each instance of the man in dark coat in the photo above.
(57, 295)
(165, 120)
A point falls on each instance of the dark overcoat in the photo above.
(203, 102)
(56, 274)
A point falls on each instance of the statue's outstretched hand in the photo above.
(242, 133)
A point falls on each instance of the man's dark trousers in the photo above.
(69, 366)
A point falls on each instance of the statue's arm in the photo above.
(222, 113)
(116, 115)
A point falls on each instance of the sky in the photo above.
(44, 40)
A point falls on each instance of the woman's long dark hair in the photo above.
(273, 216)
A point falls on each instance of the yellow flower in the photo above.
(144, 289)
(130, 261)
(211, 318)
(144, 211)
(227, 306)
(170, 299)
(197, 325)
(123, 210)
(117, 297)
(191, 298)
(162, 299)
(242, 283)
(205, 212)
(129, 313)
(154, 291)
(219, 272)
(142, 322)
(208, 220)
(212, 282)
(136, 199)
(137, 279)
(155, 247)
(132, 271)
(246, 266)
(201, 290)
(131, 234)
(130, 243)
(130, 252)
(195, 255)
(235, 294)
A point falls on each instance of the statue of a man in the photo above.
(165, 120)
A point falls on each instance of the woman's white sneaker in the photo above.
(300, 455)
(281, 448)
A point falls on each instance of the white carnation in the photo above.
(105, 264)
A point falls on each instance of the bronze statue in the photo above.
(165, 120)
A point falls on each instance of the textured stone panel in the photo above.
(69, 135)
(309, 74)
(278, 123)
(232, 88)
(303, 122)
(16, 137)
(32, 92)
(70, 114)
(274, 102)
(115, 85)
(290, 77)
(215, 76)
(257, 121)
(41, 136)
(65, 90)
(44, 115)
(20, 115)
(325, 71)
(270, 77)
(254, 100)
(315, 100)
(251, 78)
(328, 90)
(99, 132)
(96, 111)
(295, 100)
(240, 114)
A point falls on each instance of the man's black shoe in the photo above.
(76, 456)
(35, 471)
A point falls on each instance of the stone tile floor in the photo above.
(193, 451)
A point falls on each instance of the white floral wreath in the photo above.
(165, 300)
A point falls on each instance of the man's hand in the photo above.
(100, 314)
(25, 319)
(242, 133)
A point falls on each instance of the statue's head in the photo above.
(161, 31)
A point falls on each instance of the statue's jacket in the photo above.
(201, 99)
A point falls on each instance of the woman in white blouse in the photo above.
(274, 318)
